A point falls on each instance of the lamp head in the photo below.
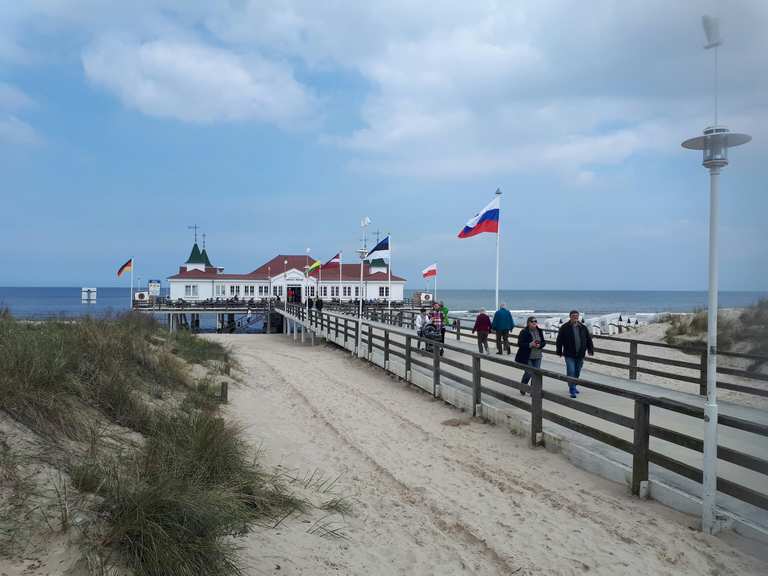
(711, 26)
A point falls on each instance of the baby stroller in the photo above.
(431, 332)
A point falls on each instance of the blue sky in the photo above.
(278, 125)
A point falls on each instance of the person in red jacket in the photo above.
(482, 327)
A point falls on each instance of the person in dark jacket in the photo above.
(574, 341)
(482, 327)
(319, 305)
(530, 341)
(502, 325)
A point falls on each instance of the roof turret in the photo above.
(206, 260)
(195, 257)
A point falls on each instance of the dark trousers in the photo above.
(502, 337)
(482, 342)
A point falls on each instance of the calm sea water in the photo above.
(50, 302)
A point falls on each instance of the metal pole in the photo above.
(389, 275)
(498, 237)
(130, 302)
(709, 484)
(360, 304)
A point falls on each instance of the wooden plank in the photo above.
(742, 373)
(590, 409)
(516, 402)
(745, 389)
(641, 445)
(595, 433)
(725, 486)
(456, 364)
(671, 376)
(669, 361)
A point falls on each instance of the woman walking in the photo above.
(530, 341)
(482, 327)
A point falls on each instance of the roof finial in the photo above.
(203, 235)
(194, 227)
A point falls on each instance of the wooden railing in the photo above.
(630, 358)
(472, 369)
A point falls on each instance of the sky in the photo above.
(276, 125)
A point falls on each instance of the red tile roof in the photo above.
(276, 267)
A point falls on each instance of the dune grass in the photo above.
(172, 502)
(748, 332)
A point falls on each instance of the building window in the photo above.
(231, 290)
(324, 291)
(190, 290)
(383, 291)
(357, 291)
(312, 291)
(348, 291)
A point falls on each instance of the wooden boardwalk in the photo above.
(650, 428)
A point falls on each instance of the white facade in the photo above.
(197, 289)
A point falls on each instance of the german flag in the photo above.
(127, 267)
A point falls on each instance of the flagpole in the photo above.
(130, 302)
(389, 276)
(434, 295)
(498, 235)
(340, 256)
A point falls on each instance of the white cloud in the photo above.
(11, 98)
(15, 131)
(194, 82)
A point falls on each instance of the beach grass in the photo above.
(169, 500)
(746, 331)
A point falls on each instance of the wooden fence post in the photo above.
(458, 329)
(633, 360)
(435, 368)
(407, 358)
(370, 340)
(703, 374)
(537, 430)
(336, 322)
(386, 349)
(477, 404)
(224, 392)
(640, 452)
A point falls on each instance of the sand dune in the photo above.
(434, 492)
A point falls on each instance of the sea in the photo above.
(40, 303)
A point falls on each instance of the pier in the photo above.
(647, 436)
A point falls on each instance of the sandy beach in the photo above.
(432, 491)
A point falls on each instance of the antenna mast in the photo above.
(194, 227)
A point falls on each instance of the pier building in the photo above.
(284, 277)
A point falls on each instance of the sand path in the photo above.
(429, 497)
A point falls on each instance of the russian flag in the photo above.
(486, 221)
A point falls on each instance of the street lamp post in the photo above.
(714, 143)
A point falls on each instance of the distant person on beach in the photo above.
(574, 341)
(502, 325)
(418, 323)
(482, 327)
(530, 341)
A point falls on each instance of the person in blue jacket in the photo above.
(502, 325)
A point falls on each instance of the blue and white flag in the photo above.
(381, 250)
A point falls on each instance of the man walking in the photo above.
(502, 325)
(574, 341)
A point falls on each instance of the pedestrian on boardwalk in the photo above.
(418, 323)
(574, 341)
(319, 305)
(530, 341)
(436, 319)
(502, 325)
(482, 327)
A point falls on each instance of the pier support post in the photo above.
(386, 350)
(640, 452)
(370, 341)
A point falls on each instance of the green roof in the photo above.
(207, 260)
(195, 257)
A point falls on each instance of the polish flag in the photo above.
(429, 271)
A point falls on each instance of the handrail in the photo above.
(329, 323)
